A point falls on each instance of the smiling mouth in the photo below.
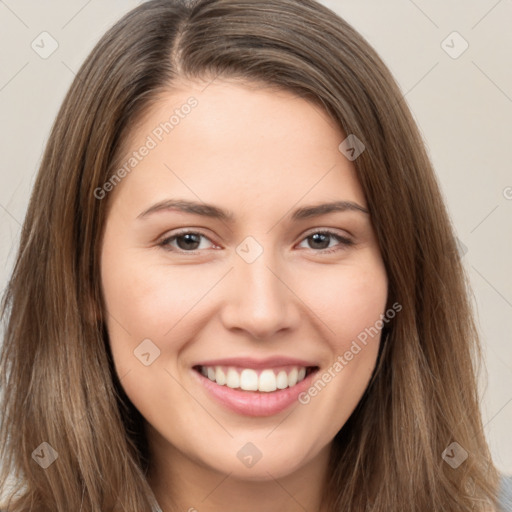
(264, 380)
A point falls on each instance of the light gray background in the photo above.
(463, 106)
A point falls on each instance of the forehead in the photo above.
(234, 142)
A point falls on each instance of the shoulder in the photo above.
(505, 495)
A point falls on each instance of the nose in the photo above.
(259, 299)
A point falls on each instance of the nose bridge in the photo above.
(259, 301)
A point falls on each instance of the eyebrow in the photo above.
(208, 210)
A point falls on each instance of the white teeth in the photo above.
(282, 380)
(232, 379)
(267, 381)
(248, 379)
(220, 376)
(292, 377)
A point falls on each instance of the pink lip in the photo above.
(249, 362)
(254, 403)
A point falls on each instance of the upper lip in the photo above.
(250, 362)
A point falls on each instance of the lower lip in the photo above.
(254, 403)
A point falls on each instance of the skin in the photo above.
(259, 153)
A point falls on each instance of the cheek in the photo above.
(146, 306)
(348, 300)
(148, 299)
(156, 302)
(350, 303)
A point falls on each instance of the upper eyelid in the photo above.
(332, 231)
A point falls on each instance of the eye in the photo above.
(185, 241)
(322, 240)
(191, 241)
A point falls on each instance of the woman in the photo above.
(252, 369)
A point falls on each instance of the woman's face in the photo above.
(216, 266)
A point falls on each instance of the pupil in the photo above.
(190, 238)
(320, 238)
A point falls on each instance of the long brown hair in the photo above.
(57, 377)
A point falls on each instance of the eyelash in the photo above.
(344, 241)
